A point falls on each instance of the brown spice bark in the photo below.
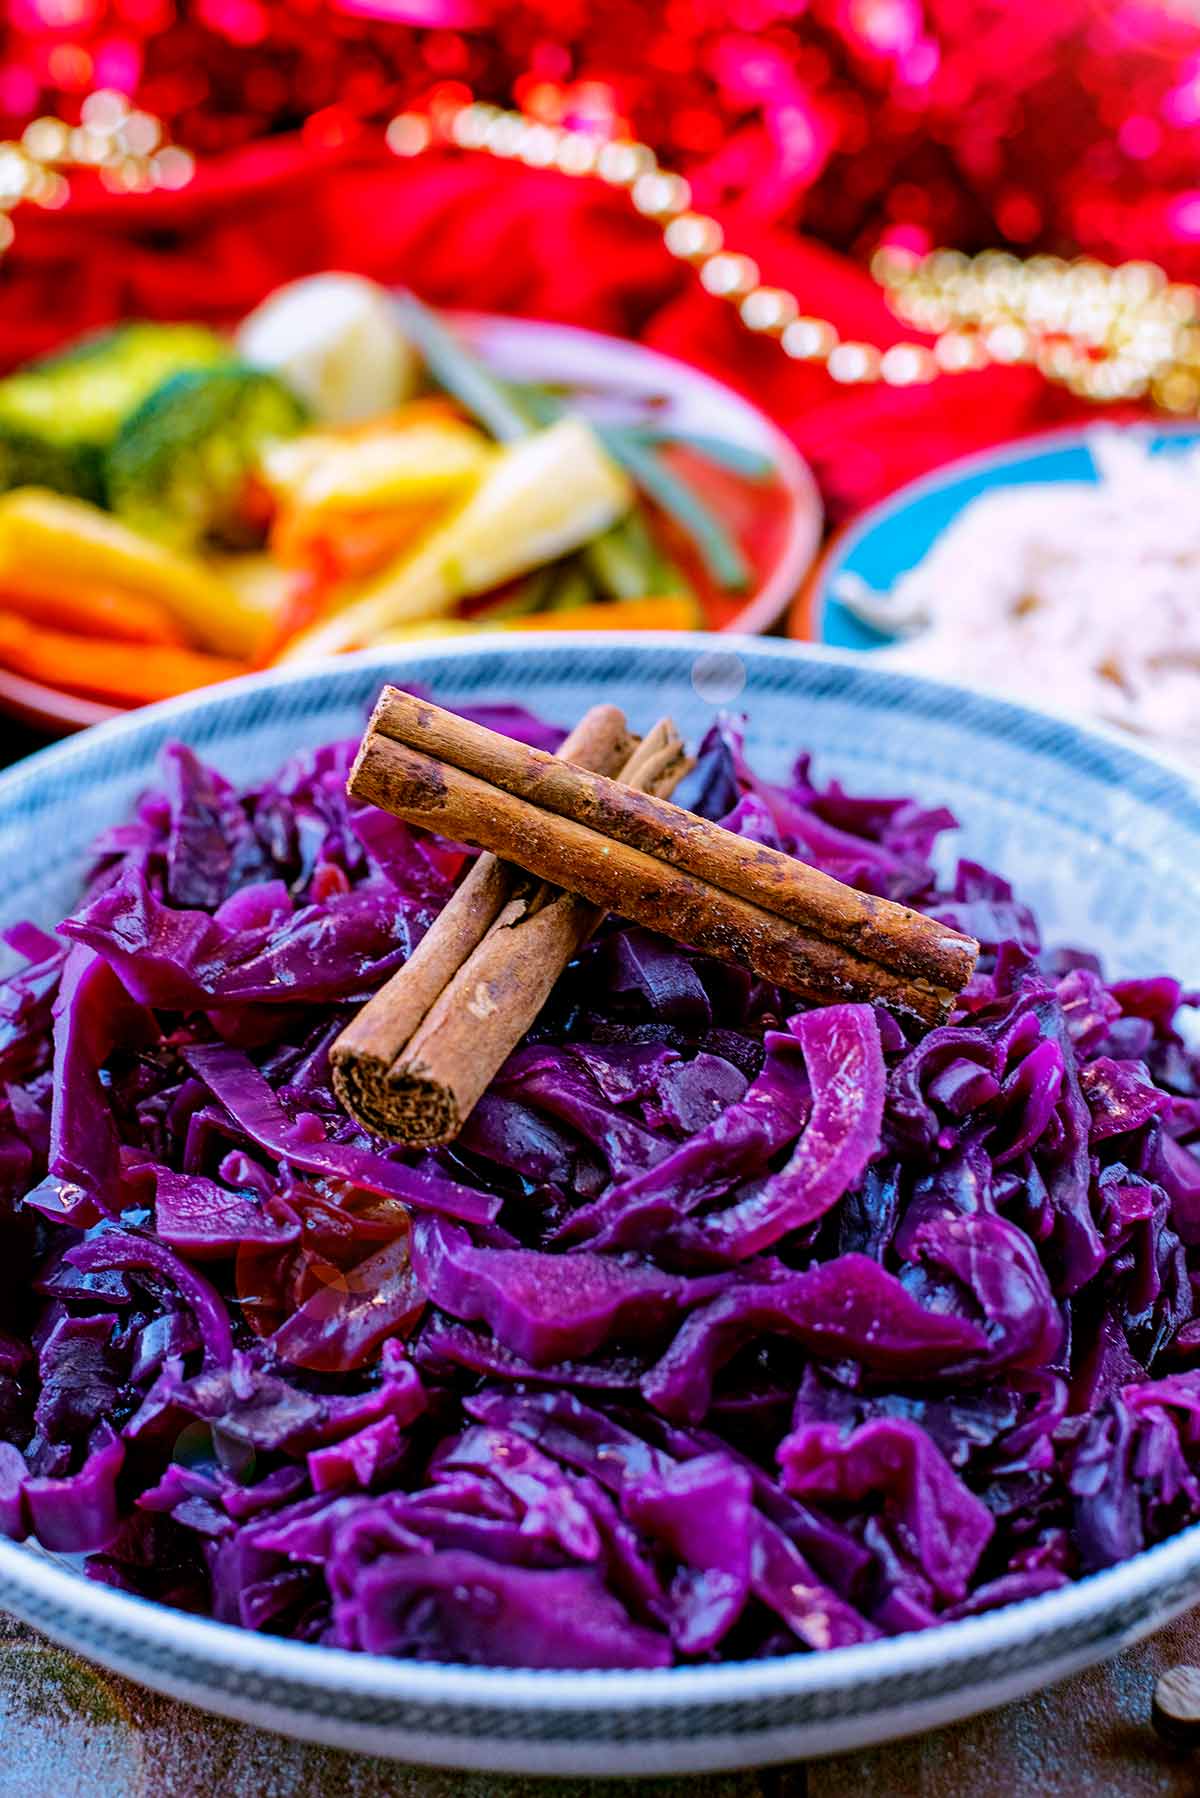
(367, 1048)
(643, 888)
(416, 1060)
(874, 929)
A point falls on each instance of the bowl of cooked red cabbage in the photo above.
(554, 1396)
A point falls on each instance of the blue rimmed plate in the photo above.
(889, 539)
(1104, 839)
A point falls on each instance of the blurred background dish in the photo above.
(1064, 570)
(716, 445)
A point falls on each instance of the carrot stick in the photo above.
(347, 543)
(104, 668)
(664, 612)
(106, 611)
(428, 408)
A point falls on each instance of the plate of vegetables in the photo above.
(351, 469)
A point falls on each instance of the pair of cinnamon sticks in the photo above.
(416, 1059)
(593, 821)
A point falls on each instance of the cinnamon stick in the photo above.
(366, 1050)
(637, 886)
(875, 929)
(803, 931)
(476, 1022)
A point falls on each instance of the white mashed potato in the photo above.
(1083, 597)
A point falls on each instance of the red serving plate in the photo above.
(776, 521)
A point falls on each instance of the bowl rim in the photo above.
(1117, 1603)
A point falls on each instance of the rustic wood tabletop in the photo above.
(70, 1731)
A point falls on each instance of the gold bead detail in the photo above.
(957, 351)
(540, 147)
(17, 174)
(851, 363)
(577, 153)
(1007, 342)
(809, 339)
(468, 128)
(891, 264)
(139, 134)
(908, 365)
(505, 135)
(660, 195)
(769, 309)
(173, 166)
(408, 134)
(693, 237)
(621, 162)
(728, 276)
(104, 110)
(45, 140)
(1178, 390)
(52, 192)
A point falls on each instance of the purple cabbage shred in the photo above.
(727, 1328)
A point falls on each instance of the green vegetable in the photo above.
(510, 412)
(59, 414)
(519, 600)
(626, 562)
(720, 554)
(27, 460)
(571, 589)
(179, 465)
(492, 402)
(751, 464)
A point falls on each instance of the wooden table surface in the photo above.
(69, 1731)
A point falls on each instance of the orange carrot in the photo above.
(430, 408)
(657, 612)
(105, 668)
(307, 600)
(128, 617)
(347, 544)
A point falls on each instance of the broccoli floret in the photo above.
(27, 460)
(178, 467)
(59, 414)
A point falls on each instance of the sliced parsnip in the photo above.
(405, 465)
(337, 340)
(541, 497)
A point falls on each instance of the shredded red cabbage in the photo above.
(726, 1328)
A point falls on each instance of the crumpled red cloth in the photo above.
(471, 232)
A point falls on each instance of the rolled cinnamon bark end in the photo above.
(360, 1083)
(425, 1094)
(366, 1054)
(439, 1078)
(403, 1103)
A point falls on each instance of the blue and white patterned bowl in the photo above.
(1103, 839)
